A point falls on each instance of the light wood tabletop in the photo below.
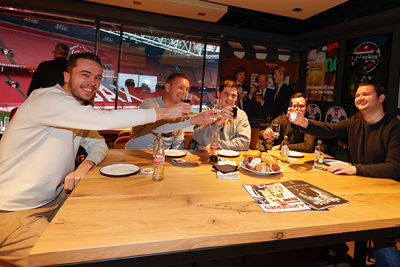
(108, 218)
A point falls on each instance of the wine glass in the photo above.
(186, 98)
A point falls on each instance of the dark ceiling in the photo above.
(353, 9)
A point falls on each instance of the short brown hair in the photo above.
(62, 50)
(171, 78)
(228, 83)
(281, 69)
(71, 63)
(297, 95)
(379, 89)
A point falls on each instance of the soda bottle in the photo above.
(214, 146)
(319, 156)
(285, 150)
(158, 159)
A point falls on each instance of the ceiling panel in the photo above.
(193, 9)
(285, 8)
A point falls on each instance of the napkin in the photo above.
(229, 175)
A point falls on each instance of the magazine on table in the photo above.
(292, 195)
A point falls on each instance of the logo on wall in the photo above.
(79, 49)
(313, 112)
(335, 114)
(367, 55)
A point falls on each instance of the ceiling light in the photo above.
(297, 9)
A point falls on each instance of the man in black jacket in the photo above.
(51, 72)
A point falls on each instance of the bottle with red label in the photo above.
(158, 159)
(214, 146)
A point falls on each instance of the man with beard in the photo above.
(38, 151)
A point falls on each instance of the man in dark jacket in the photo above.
(298, 140)
(51, 72)
(280, 101)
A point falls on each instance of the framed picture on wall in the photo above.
(321, 72)
(367, 58)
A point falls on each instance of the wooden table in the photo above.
(193, 214)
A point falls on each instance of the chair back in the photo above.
(121, 142)
(255, 132)
(124, 133)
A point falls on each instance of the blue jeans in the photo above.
(387, 257)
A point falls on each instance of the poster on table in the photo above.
(367, 58)
(321, 72)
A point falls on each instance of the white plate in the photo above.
(332, 161)
(257, 172)
(119, 170)
(175, 153)
(295, 154)
(228, 153)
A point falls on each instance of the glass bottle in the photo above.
(319, 156)
(214, 146)
(158, 159)
(285, 149)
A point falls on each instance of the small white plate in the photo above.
(228, 153)
(175, 153)
(295, 154)
(119, 170)
(332, 161)
(257, 172)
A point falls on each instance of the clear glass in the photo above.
(275, 128)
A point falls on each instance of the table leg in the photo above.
(360, 253)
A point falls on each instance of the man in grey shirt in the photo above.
(172, 130)
(234, 133)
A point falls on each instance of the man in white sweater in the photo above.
(38, 150)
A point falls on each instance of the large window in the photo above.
(146, 61)
(135, 66)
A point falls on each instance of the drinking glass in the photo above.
(234, 111)
(186, 98)
(275, 128)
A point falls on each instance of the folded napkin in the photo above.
(229, 175)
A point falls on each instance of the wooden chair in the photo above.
(124, 133)
(121, 142)
(255, 132)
